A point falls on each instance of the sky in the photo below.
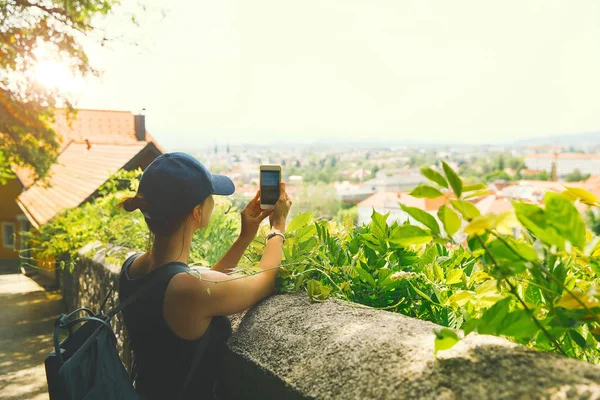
(302, 71)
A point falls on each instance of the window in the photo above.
(8, 235)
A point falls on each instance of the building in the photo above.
(395, 180)
(389, 202)
(566, 163)
(96, 144)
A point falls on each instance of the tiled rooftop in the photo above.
(77, 175)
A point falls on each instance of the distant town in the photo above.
(337, 180)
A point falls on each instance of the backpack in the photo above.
(86, 365)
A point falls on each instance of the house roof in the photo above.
(95, 126)
(494, 204)
(391, 199)
(570, 156)
(76, 176)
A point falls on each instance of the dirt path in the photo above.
(27, 315)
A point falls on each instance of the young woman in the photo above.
(170, 322)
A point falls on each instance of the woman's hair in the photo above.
(158, 226)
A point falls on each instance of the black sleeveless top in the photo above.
(163, 359)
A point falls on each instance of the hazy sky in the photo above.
(461, 71)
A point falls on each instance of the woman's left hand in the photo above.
(252, 216)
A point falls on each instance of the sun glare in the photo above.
(56, 75)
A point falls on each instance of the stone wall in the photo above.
(288, 348)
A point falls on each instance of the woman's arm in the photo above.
(189, 301)
(233, 255)
(252, 216)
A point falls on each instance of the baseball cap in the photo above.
(174, 183)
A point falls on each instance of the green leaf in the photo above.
(492, 318)
(450, 219)
(471, 188)
(525, 250)
(478, 193)
(583, 195)
(499, 320)
(454, 276)
(468, 210)
(460, 298)
(425, 191)
(305, 233)
(534, 219)
(434, 176)
(406, 235)
(565, 218)
(454, 179)
(317, 291)
(423, 217)
(299, 221)
(365, 276)
(444, 339)
(577, 338)
(379, 225)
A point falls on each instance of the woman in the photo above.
(167, 326)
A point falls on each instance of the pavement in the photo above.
(27, 314)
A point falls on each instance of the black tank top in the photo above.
(163, 359)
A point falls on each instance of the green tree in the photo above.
(576, 176)
(320, 199)
(26, 107)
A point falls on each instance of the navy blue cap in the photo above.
(174, 183)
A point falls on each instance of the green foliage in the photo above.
(26, 107)
(576, 176)
(444, 339)
(320, 198)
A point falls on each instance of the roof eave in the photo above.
(29, 216)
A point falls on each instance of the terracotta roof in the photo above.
(391, 200)
(77, 175)
(545, 185)
(493, 204)
(25, 175)
(593, 181)
(381, 199)
(565, 156)
(98, 126)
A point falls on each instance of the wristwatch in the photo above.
(275, 232)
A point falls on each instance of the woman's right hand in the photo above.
(282, 208)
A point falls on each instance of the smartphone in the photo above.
(270, 178)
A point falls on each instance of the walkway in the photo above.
(27, 314)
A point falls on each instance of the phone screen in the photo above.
(269, 186)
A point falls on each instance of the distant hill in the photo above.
(575, 140)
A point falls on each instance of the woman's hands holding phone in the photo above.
(252, 216)
(282, 208)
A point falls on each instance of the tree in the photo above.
(576, 176)
(26, 107)
(320, 199)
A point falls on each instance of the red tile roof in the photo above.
(77, 175)
(565, 156)
(391, 200)
(97, 126)
(493, 204)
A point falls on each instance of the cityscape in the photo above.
(333, 183)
